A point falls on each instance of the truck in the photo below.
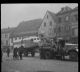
(30, 45)
(52, 49)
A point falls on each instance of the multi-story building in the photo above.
(67, 25)
(25, 29)
(5, 36)
(63, 24)
(48, 24)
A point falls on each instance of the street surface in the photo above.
(35, 64)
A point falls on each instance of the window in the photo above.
(12, 40)
(15, 38)
(19, 37)
(76, 17)
(59, 20)
(50, 23)
(47, 16)
(54, 30)
(44, 24)
(73, 32)
(67, 18)
(6, 42)
(6, 35)
(37, 38)
(34, 38)
(67, 28)
(59, 29)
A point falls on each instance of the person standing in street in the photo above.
(8, 51)
(20, 52)
(15, 53)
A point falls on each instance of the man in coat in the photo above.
(15, 55)
(21, 52)
(8, 51)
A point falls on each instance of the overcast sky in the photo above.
(13, 14)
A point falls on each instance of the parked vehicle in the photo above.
(51, 49)
(30, 46)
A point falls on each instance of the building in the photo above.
(5, 36)
(25, 29)
(63, 24)
(67, 25)
(48, 24)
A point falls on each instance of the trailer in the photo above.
(30, 45)
(51, 49)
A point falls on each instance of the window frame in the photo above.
(59, 19)
(44, 24)
(50, 23)
(76, 17)
(66, 18)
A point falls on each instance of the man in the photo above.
(8, 51)
(62, 45)
(15, 55)
(21, 52)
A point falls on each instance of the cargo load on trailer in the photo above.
(58, 48)
(30, 46)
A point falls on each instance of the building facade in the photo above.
(5, 36)
(67, 25)
(64, 24)
(5, 39)
(48, 24)
(25, 29)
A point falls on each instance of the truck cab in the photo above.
(71, 50)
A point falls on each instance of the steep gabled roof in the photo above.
(27, 26)
(76, 7)
(53, 15)
(65, 10)
(31, 33)
(7, 30)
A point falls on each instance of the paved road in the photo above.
(34, 64)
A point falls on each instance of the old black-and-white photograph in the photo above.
(39, 37)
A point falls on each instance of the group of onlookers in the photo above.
(17, 52)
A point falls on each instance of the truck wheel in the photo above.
(47, 55)
(26, 54)
(73, 56)
(42, 56)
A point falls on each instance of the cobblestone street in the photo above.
(34, 64)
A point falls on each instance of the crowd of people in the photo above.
(17, 53)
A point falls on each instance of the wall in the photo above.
(5, 38)
(69, 28)
(48, 29)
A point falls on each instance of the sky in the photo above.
(13, 14)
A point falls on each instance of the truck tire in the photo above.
(42, 56)
(25, 54)
(47, 55)
(73, 56)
